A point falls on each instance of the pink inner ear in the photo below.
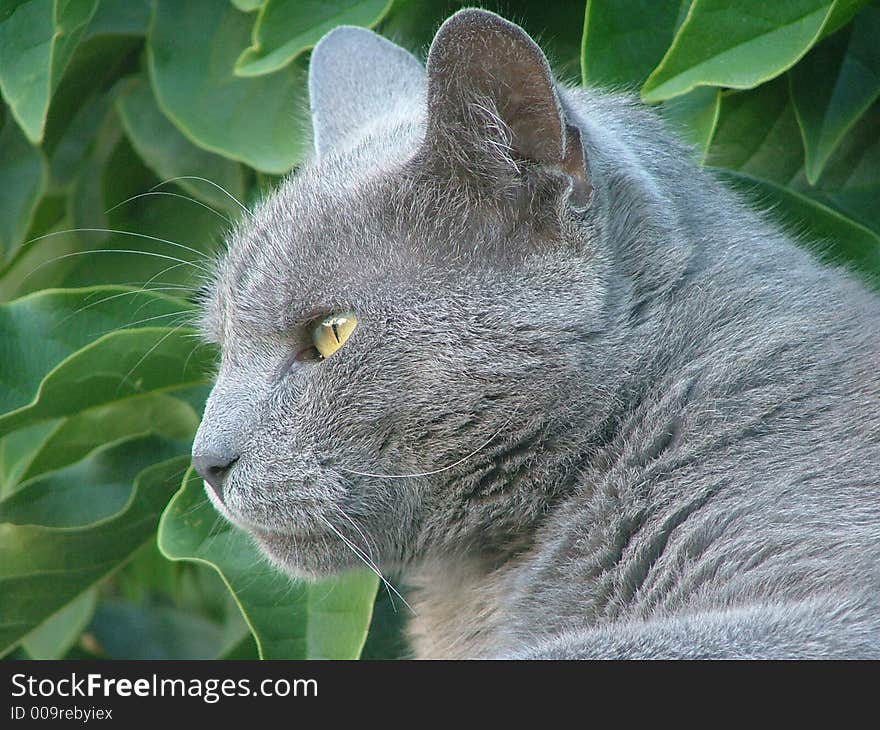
(480, 58)
(574, 164)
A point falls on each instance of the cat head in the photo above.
(443, 232)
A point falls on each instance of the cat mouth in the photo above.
(311, 549)
(307, 543)
(306, 529)
(298, 535)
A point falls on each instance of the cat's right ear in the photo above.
(493, 105)
(355, 77)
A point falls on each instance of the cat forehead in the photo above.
(342, 234)
(316, 244)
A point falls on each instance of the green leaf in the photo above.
(43, 569)
(49, 212)
(737, 43)
(51, 445)
(842, 12)
(159, 238)
(18, 449)
(37, 264)
(30, 269)
(557, 25)
(413, 23)
(624, 41)
(58, 633)
(120, 17)
(63, 351)
(90, 490)
(108, 49)
(248, 6)
(238, 641)
(290, 620)
(117, 366)
(148, 576)
(37, 39)
(69, 152)
(192, 50)
(756, 143)
(387, 638)
(22, 180)
(40, 331)
(834, 85)
(243, 648)
(171, 155)
(695, 115)
(835, 238)
(125, 630)
(73, 438)
(287, 28)
(87, 208)
(81, 103)
(850, 182)
(757, 134)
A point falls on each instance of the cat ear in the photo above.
(356, 76)
(490, 90)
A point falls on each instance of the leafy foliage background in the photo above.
(129, 132)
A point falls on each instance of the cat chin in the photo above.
(306, 554)
(305, 557)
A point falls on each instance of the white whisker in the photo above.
(202, 256)
(115, 250)
(148, 353)
(365, 561)
(367, 545)
(171, 195)
(142, 321)
(210, 182)
(141, 290)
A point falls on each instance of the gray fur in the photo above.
(650, 423)
(357, 79)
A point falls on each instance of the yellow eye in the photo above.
(333, 332)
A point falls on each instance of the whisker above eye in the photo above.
(209, 182)
(193, 264)
(146, 285)
(134, 292)
(171, 195)
(142, 321)
(202, 256)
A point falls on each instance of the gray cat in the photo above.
(506, 339)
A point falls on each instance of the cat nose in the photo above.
(213, 468)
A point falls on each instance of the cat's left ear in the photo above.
(491, 92)
(355, 77)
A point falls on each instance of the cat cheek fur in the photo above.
(300, 436)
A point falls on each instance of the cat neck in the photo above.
(457, 608)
